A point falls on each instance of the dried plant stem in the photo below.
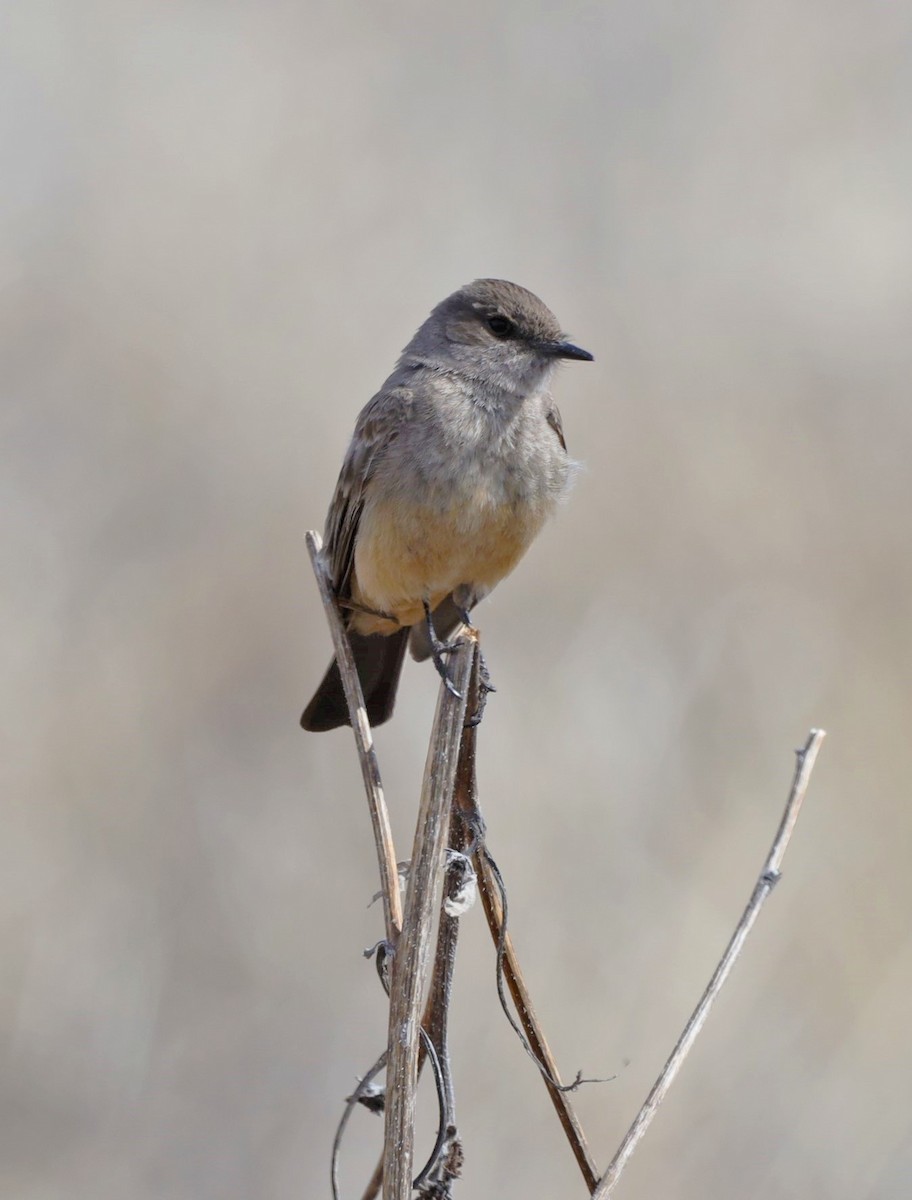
(370, 769)
(466, 800)
(437, 1008)
(436, 1015)
(490, 898)
(350, 1103)
(769, 877)
(410, 965)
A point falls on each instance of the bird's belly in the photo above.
(405, 554)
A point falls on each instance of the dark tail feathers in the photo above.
(379, 663)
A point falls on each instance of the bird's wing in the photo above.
(553, 418)
(379, 423)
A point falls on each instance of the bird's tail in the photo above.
(379, 663)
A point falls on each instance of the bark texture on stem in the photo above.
(364, 741)
(410, 967)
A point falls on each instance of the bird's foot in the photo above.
(439, 650)
(485, 688)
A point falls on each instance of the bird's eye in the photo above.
(501, 327)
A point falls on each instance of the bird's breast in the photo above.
(458, 502)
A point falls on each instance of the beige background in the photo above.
(220, 224)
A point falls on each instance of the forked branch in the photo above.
(408, 935)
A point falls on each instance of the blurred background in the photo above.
(220, 224)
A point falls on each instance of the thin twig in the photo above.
(411, 961)
(370, 769)
(444, 1128)
(443, 1125)
(350, 1103)
(769, 877)
(490, 898)
(579, 1079)
(375, 1183)
(437, 1008)
(466, 799)
(437, 1014)
(434, 1033)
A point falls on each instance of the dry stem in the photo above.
(769, 877)
(409, 936)
(364, 741)
(410, 966)
(466, 798)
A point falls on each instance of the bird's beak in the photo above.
(568, 350)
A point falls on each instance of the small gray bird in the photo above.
(452, 470)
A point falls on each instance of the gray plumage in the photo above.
(452, 469)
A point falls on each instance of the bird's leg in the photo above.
(353, 606)
(485, 686)
(464, 615)
(438, 650)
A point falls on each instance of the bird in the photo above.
(453, 468)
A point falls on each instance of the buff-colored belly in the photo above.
(404, 556)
